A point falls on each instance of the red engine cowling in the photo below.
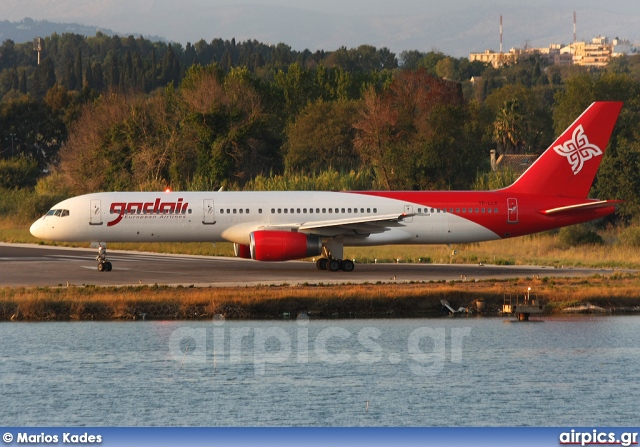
(242, 251)
(283, 245)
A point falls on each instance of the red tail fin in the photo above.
(567, 168)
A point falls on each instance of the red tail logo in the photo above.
(581, 146)
(578, 150)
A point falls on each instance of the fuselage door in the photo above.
(209, 212)
(408, 210)
(95, 213)
(512, 210)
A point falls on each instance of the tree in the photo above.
(508, 131)
(22, 83)
(170, 72)
(31, 129)
(224, 121)
(43, 78)
(78, 69)
(321, 137)
(521, 119)
(417, 133)
(70, 76)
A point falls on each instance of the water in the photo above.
(564, 371)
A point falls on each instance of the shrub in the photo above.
(579, 235)
(18, 172)
(630, 236)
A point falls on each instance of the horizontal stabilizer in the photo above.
(572, 209)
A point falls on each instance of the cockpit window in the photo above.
(59, 213)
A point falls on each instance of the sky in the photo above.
(455, 27)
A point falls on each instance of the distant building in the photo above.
(515, 163)
(495, 59)
(596, 53)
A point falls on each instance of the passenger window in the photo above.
(330, 210)
(488, 210)
(234, 211)
(324, 210)
(221, 210)
(464, 210)
(286, 210)
(342, 210)
(311, 210)
(477, 210)
(304, 210)
(375, 210)
(228, 211)
(273, 210)
(279, 210)
(482, 210)
(368, 210)
(291, 210)
(457, 210)
(240, 210)
(247, 211)
(349, 210)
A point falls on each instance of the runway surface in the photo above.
(39, 265)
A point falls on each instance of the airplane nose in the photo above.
(37, 228)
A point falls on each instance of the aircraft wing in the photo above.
(363, 226)
(353, 226)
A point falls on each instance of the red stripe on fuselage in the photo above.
(529, 217)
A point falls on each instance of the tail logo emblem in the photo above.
(578, 150)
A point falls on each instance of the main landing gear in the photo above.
(333, 265)
(332, 254)
(103, 264)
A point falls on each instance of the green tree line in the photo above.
(124, 113)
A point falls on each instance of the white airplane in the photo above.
(281, 226)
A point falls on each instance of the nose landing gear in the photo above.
(103, 264)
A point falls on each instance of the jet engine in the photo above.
(283, 245)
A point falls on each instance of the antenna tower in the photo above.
(501, 34)
(37, 46)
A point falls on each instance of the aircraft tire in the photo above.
(333, 265)
(348, 265)
(101, 266)
(107, 266)
(321, 263)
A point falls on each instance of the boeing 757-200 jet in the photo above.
(281, 226)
